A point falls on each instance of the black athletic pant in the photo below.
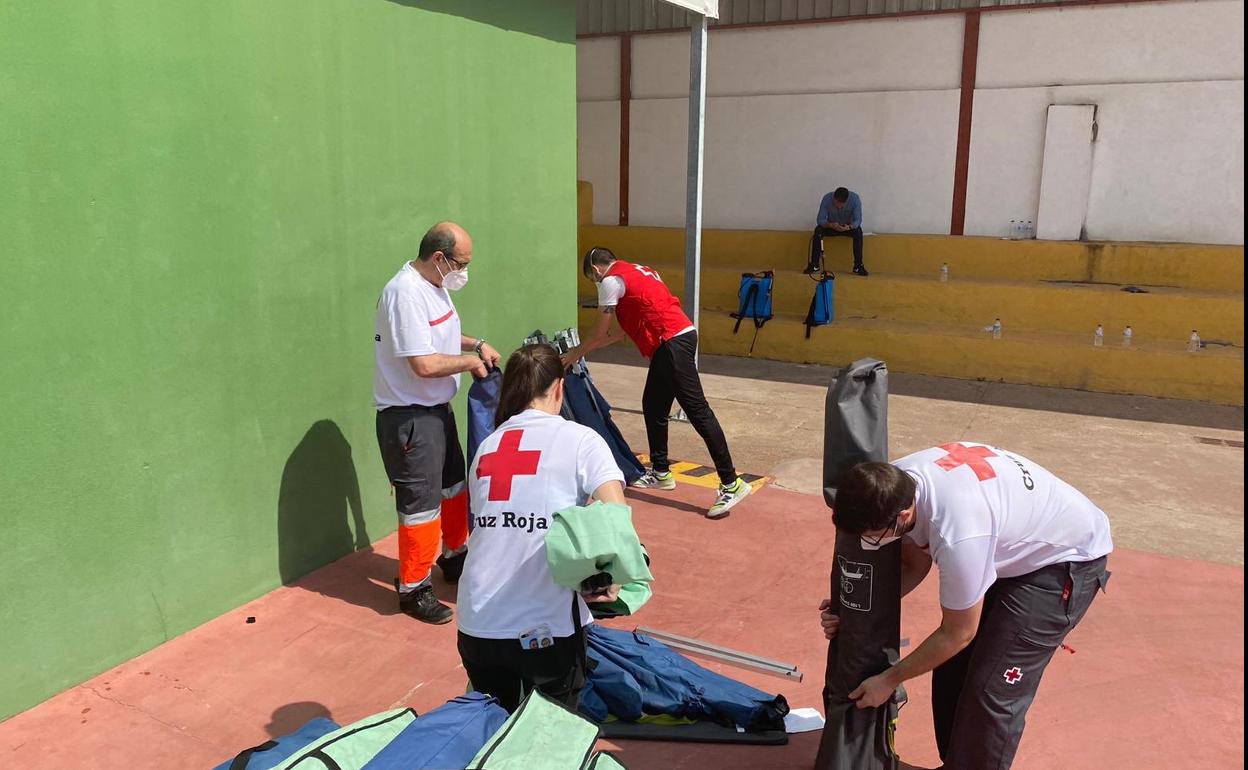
(816, 244)
(674, 375)
(502, 668)
(981, 695)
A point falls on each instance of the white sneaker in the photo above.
(655, 480)
(728, 498)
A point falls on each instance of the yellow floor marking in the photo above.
(710, 480)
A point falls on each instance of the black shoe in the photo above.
(860, 270)
(452, 566)
(423, 605)
(810, 270)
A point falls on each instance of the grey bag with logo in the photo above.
(866, 585)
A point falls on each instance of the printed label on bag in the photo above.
(855, 584)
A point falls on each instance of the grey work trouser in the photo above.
(981, 695)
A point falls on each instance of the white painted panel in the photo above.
(1137, 43)
(661, 64)
(598, 69)
(1007, 150)
(884, 55)
(1066, 172)
(598, 156)
(769, 160)
(1169, 163)
(1168, 160)
(657, 153)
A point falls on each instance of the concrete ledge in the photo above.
(1150, 368)
(1191, 266)
(1168, 314)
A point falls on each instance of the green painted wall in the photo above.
(199, 203)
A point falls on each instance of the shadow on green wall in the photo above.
(318, 498)
(318, 502)
(509, 15)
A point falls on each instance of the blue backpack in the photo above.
(443, 739)
(272, 753)
(820, 311)
(754, 301)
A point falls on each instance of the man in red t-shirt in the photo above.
(646, 312)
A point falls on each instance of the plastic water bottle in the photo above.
(1013, 236)
(1030, 231)
(1127, 334)
(944, 272)
(1193, 343)
(996, 329)
(1098, 338)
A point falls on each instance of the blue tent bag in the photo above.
(446, 738)
(820, 312)
(483, 398)
(583, 404)
(272, 753)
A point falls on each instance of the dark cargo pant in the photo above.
(981, 695)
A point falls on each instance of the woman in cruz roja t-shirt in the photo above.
(517, 631)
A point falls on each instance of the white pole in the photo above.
(693, 178)
(693, 190)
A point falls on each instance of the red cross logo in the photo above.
(505, 463)
(973, 457)
(1013, 675)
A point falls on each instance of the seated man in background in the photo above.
(840, 213)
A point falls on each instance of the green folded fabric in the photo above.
(582, 542)
(541, 735)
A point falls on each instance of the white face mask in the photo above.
(872, 545)
(456, 280)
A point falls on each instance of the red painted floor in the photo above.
(1156, 680)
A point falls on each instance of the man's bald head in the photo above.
(445, 237)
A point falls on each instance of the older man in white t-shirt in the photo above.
(420, 353)
(1021, 554)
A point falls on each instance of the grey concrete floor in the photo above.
(1170, 474)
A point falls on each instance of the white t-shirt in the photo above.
(414, 318)
(610, 291)
(533, 465)
(984, 513)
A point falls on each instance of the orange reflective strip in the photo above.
(455, 521)
(418, 547)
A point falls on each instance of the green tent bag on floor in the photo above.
(541, 735)
(351, 747)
